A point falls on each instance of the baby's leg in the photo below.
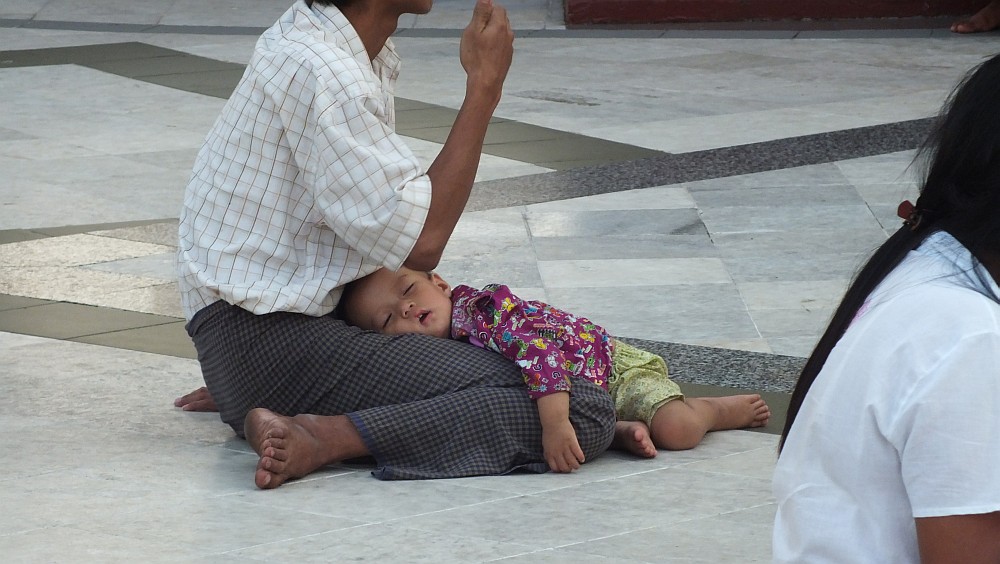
(633, 436)
(681, 424)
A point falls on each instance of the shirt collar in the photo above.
(333, 22)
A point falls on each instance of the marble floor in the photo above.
(707, 193)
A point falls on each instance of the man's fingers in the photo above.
(500, 13)
(189, 397)
(498, 16)
(573, 463)
(482, 12)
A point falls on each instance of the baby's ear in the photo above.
(440, 283)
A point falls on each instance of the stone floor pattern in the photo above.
(707, 193)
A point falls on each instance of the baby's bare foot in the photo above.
(287, 449)
(633, 436)
(740, 412)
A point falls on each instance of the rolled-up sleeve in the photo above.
(369, 185)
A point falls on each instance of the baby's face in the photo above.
(406, 301)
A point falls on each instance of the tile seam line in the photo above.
(119, 330)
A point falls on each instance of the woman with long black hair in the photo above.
(891, 447)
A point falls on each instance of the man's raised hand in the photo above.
(487, 50)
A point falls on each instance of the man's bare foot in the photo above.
(633, 436)
(287, 449)
(986, 19)
(740, 412)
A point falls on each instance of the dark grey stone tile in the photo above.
(169, 65)
(19, 302)
(60, 320)
(74, 229)
(18, 235)
(411, 121)
(160, 233)
(168, 339)
(83, 54)
(568, 148)
(219, 83)
(667, 169)
(724, 367)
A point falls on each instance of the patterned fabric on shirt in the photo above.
(549, 345)
(302, 184)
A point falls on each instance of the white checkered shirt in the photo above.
(302, 184)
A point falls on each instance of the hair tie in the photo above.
(911, 214)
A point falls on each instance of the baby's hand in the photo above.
(562, 450)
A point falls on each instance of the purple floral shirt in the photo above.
(548, 344)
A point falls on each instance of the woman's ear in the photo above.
(440, 283)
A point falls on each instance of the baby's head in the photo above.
(405, 301)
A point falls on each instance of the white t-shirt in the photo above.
(302, 184)
(901, 423)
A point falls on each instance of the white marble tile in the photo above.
(735, 536)
(224, 12)
(385, 542)
(800, 346)
(491, 167)
(760, 345)
(632, 272)
(359, 496)
(118, 11)
(694, 314)
(797, 322)
(207, 523)
(161, 265)
(40, 149)
(66, 544)
(757, 463)
(889, 195)
(663, 197)
(807, 295)
(894, 168)
(750, 219)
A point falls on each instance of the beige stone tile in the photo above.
(73, 250)
(78, 285)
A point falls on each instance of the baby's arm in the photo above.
(561, 448)
(502, 323)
